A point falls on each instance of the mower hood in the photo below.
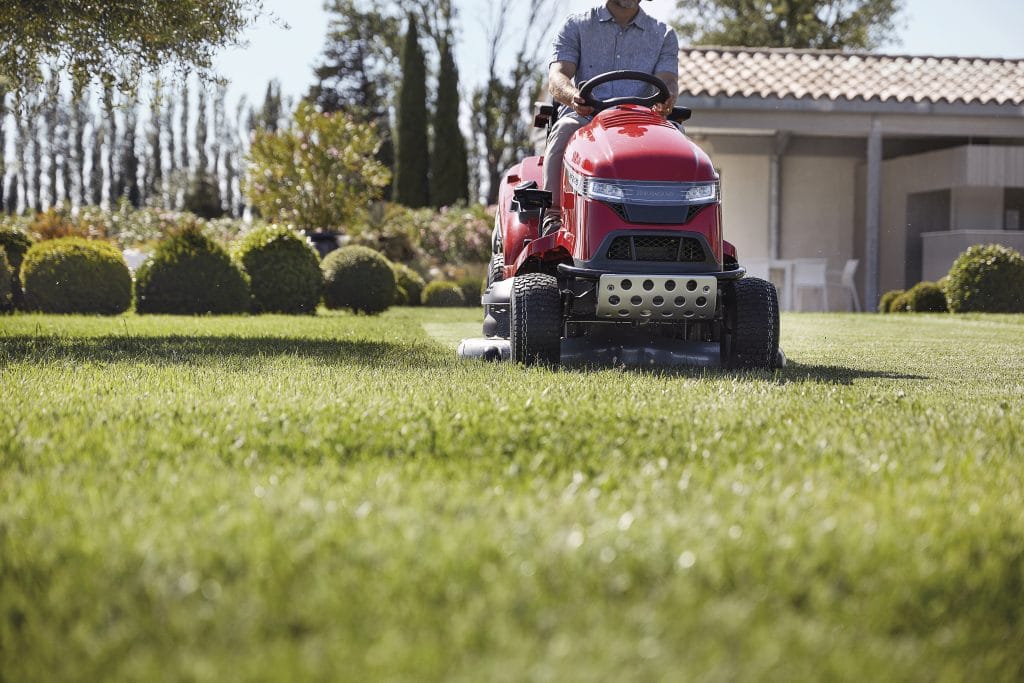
(631, 142)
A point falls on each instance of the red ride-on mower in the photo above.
(638, 274)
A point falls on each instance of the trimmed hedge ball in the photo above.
(925, 297)
(16, 244)
(887, 300)
(283, 269)
(6, 285)
(987, 279)
(75, 275)
(472, 289)
(410, 285)
(358, 278)
(190, 274)
(443, 294)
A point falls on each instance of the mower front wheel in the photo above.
(750, 330)
(496, 271)
(536, 324)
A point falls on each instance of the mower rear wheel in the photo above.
(496, 271)
(536, 324)
(750, 333)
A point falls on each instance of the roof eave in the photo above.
(845, 106)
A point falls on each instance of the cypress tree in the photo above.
(269, 116)
(202, 197)
(155, 156)
(79, 110)
(51, 114)
(36, 177)
(411, 154)
(184, 165)
(110, 137)
(3, 144)
(129, 158)
(19, 182)
(449, 168)
(95, 196)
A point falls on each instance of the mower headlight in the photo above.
(644, 192)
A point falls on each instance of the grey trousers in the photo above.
(564, 127)
(554, 154)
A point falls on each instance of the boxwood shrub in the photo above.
(410, 285)
(6, 287)
(886, 302)
(190, 274)
(15, 243)
(924, 297)
(472, 288)
(75, 275)
(283, 269)
(358, 278)
(446, 294)
(987, 279)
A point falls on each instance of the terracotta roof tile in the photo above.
(853, 76)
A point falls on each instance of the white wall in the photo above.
(977, 208)
(745, 198)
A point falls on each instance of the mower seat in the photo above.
(680, 114)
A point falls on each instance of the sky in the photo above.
(980, 28)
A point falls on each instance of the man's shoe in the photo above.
(552, 223)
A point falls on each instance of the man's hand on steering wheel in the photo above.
(664, 108)
(580, 106)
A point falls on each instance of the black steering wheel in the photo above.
(587, 90)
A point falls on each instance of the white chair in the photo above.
(848, 283)
(810, 273)
(756, 267)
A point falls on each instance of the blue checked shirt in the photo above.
(596, 44)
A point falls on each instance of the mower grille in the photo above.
(656, 248)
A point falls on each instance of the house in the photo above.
(900, 162)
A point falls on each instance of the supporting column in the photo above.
(775, 192)
(872, 214)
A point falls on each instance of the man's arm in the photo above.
(672, 81)
(561, 87)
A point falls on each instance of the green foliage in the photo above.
(814, 24)
(358, 278)
(6, 283)
(394, 230)
(283, 269)
(320, 173)
(460, 235)
(987, 279)
(359, 66)
(412, 145)
(924, 297)
(14, 243)
(449, 169)
(443, 294)
(472, 287)
(74, 275)
(119, 38)
(190, 274)
(886, 302)
(409, 285)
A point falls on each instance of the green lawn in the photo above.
(338, 498)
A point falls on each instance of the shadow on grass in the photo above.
(209, 350)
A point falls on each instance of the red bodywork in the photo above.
(628, 142)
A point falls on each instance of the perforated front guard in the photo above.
(657, 297)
